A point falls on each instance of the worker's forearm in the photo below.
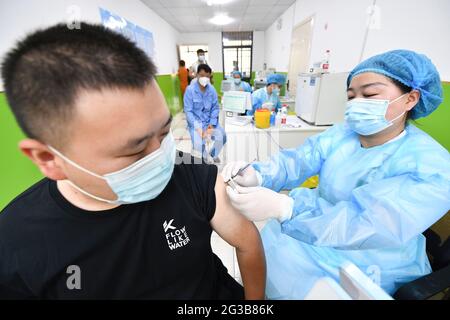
(252, 265)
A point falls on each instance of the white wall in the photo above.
(258, 50)
(278, 42)
(23, 16)
(214, 42)
(419, 25)
(339, 25)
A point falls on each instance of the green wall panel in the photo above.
(170, 87)
(283, 88)
(218, 77)
(437, 124)
(17, 172)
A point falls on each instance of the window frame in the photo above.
(237, 53)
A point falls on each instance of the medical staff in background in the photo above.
(268, 97)
(383, 182)
(239, 84)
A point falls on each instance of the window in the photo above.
(188, 53)
(237, 50)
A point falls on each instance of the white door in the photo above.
(300, 53)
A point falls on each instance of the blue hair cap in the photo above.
(412, 69)
(236, 72)
(276, 78)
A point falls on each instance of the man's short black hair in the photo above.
(204, 67)
(200, 51)
(182, 63)
(46, 71)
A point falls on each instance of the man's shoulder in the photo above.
(27, 198)
(16, 216)
(191, 88)
(194, 168)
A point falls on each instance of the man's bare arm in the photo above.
(244, 236)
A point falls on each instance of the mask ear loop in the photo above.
(400, 115)
(91, 195)
(398, 98)
(84, 170)
(59, 154)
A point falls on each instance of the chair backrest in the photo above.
(437, 249)
(435, 283)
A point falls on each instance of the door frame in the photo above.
(311, 19)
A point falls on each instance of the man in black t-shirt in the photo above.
(121, 214)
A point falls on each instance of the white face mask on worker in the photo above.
(204, 81)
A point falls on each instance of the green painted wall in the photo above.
(17, 173)
(283, 88)
(252, 78)
(437, 124)
(170, 87)
(217, 77)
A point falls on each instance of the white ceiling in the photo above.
(193, 15)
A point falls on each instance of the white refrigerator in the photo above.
(321, 98)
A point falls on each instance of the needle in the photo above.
(240, 171)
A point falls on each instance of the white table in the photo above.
(248, 143)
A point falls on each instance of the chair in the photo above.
(437, 282)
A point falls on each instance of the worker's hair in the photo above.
(403, 88)
(182, 63)
(200, 51)
(46, 71)
(204, 67)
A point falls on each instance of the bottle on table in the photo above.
(326, 62)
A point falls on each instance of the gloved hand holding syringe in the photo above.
(241, 173)
(256, 203)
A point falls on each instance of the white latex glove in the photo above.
(248, 178)
(258, 203)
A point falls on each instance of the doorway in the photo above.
(300, 52)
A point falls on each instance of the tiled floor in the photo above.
(225, 252)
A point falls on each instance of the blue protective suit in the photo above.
(202, 110)
(244, 86)
(370, 208)
(261, 96)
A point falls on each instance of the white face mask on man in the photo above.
(201, 58)
(143, 180)
(204, 81)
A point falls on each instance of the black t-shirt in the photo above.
(158, 249)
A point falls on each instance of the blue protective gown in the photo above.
(202, 110)
(245, 86)
(261, 96)
(370, 208)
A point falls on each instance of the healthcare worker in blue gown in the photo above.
(270, 93)
(383, 182)
(240, 85)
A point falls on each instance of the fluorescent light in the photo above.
(217, 2)
(221, 19)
